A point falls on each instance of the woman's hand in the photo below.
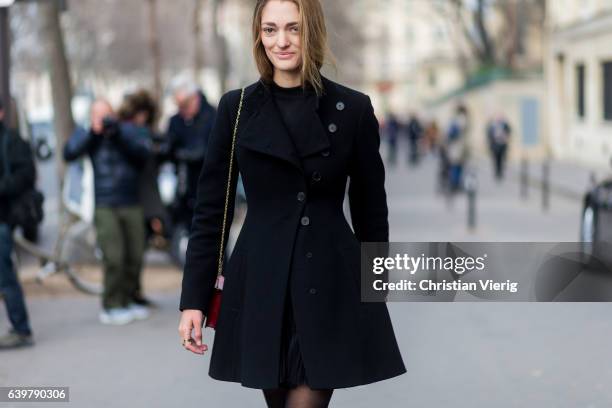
(192, 319)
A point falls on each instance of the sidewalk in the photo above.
(567, 179)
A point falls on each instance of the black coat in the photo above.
(188, 139)
(21, 166)
(294, 225)
(117, 162)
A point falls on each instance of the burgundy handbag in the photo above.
(215, 301)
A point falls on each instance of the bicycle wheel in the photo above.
(82, 259)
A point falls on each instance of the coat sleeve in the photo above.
(200, 270)
(23, 171)
(367, 196)
(135, 141)
(79, 143)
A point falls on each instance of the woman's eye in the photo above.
(295, 29)
(268, 30)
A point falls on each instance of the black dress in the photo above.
(290, 103)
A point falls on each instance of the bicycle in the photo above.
(75, 252)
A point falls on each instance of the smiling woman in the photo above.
(289, 323)
(290, 42)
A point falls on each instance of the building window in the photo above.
(607, 90)
(580, 90)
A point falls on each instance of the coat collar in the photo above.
(264, 132)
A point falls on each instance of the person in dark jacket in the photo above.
(188, 133)
(16, 156)
(498, 136)
(140, 109)
(414, 133)
(118, 151)
(291, 321)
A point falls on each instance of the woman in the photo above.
(291, 322)
(140, 109)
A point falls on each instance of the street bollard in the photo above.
(524, 178)
(545, 185)
(471, 186)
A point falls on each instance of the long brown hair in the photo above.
(139, 101)
(313, 40)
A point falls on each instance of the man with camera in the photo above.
(17, 176)
(118, 152)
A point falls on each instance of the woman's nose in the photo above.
(283, 39)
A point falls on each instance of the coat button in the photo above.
(332, 127)
(325, 153)
(305, 221)
(301, 196)
(340, 106)
(312, 291)
(308, 254)
(316, 176)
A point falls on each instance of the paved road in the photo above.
(457, 354)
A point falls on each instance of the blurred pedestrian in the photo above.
(188, 133)
(456, 148)
(17, 175)
(140, 109)
(498, 135)
(391, 131)
(118, 151)
(414, 132)
(432, 136)
(291, 298)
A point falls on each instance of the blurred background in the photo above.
(495, 116)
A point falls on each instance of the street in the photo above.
(457, 354)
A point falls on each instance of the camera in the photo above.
(110, 126)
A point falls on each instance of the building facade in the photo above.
(579, 80)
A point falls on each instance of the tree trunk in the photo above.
(487, 56)
(61, 86)
(198, 57)
(155, 51)
(222, 53)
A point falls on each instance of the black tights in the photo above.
(301, 396)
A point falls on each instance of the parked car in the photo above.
(596, 223)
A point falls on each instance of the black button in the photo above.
(312, 291)
(305, 221)
(316, 176)
(301, 196)
(325, 153)
(332, 127)
(308, 254)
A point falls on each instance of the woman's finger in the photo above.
(198, 333)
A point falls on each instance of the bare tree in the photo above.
(198, 57)
(223, 63)
(61, 86)
(155, 50)
(488, 46)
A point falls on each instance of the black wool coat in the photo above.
(295, 237)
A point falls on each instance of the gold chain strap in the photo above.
(229, 180)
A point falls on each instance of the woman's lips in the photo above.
(285, 55)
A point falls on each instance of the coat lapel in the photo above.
(264, 132)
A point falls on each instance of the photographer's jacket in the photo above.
(21, 167)
(294, 228)
(117, 161)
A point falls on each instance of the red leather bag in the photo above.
(215, 301)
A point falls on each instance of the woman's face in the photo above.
(280, 35)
